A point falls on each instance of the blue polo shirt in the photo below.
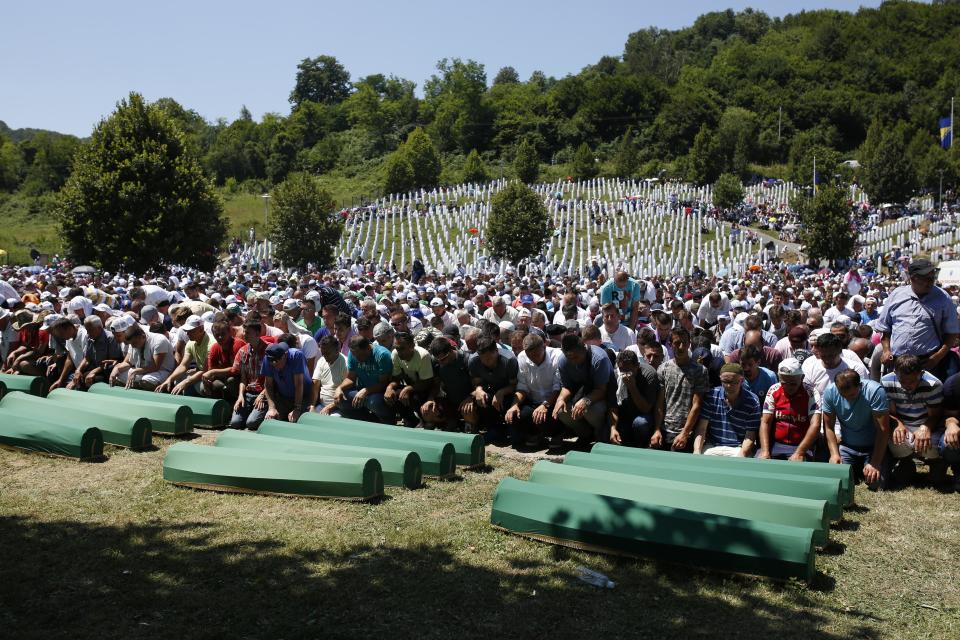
(917, 325)
(727, 426)
(283, 378)
(368, 373)
(760, 386)
(855, 419)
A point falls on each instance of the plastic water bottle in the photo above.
(595, 578)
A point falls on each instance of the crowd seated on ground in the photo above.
(836, 366)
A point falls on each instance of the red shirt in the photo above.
(247, 363)
(218, 358)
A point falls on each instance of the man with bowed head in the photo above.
(856, 423)
(729, 417)
(287, 382)
(790, 420)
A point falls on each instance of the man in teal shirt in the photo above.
(856, 422)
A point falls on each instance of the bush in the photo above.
(518, 225)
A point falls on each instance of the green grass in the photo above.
(112, 551)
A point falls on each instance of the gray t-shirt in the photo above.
(156, 344)
(679, 384)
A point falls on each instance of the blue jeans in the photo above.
(856, 458)
(637, 432)
(373, 404)
(950, 455)
(248, 417)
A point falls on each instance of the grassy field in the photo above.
(110, 550)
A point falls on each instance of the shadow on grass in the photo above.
(191, 580)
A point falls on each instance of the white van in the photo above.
(949, 273)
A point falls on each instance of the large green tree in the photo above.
(584, 165)
(305, 225)
(526, 162)
(727, 191)
(137, 198)
(322, 79)
(474, 169)
(518, 225)
(424, 159)
(825, 224)
(888, 174)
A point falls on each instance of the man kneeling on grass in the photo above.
(287, 382)
(729, 417)
(856, 422)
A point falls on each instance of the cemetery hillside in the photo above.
(735, 92)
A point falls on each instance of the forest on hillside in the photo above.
(736, 92)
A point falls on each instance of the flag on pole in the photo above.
(946, 132)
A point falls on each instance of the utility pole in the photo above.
(266, 200)
(779, 123)
(952, 130)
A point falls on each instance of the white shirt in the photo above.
(539, 382)
(76, 345)
(820, 377)
(329, 376)
(620, 339)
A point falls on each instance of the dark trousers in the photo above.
(523, 426)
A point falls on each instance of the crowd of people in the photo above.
(854, 367)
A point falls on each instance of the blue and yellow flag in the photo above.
(946, 132)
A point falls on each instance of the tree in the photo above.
(304, 223)
(518, 225)
(474, 170)
(423, 159)
(727, 191)
(627, 159)
(704, 162)
(399, 173)
(584, 163)
(526, 162)
(506, 75)
(322, 79)
(12, 166)
(888, 175)
(825, 224)
(137, 198)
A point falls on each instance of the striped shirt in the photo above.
(727, 426)
(911, 408)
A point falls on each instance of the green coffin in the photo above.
(783, 485)
(133, 433)
(470, 448)
(35, 434)
(28, 384)
(748, 505)
(627, 527)
(435, 459)
(206, 411)
(237, 470)
(400, 468)
(841, 472)
(163, 418)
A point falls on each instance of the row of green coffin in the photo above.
(763, 516)
(469, 449)
(18, 411)
(206, 411)
(400, 468)
(436, 459)
(27, 431)
(248, 471)
(164, 416)
(28, 384)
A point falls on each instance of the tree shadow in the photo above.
(198, 580)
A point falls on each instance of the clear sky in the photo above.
(64, 64)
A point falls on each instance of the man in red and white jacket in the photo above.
(790, 419)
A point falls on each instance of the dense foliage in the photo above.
(137, 197)
(825, 224)
(518, 223)
(304, 224)
(735, 92)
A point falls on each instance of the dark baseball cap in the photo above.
(277, 351)
(921, 267)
